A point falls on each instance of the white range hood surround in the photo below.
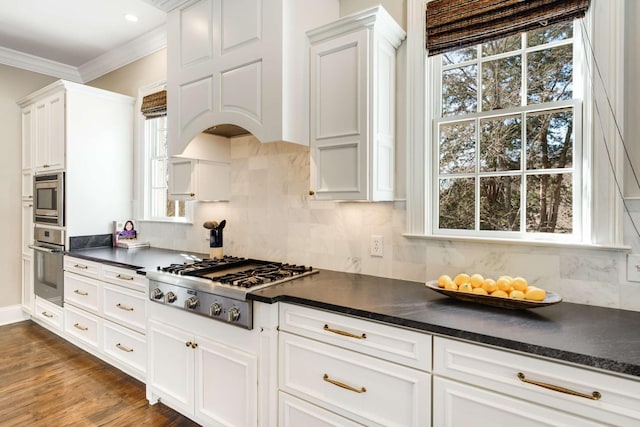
(241, 62)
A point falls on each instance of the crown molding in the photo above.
(165, 5)
(40, 65)
(122, 55)
(127, 53)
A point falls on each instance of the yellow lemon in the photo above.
(489, 285)
(476, 280)
(499, 293)
(516, 294)
(535, 294)
(509, 278)
(465, 287)
(444, 279)
(504, 283)
(461, 278)
(479, 291)
(519, 283)
(451, 286)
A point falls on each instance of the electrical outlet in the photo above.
(376, 245)
(633, 267)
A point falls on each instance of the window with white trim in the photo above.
(158, 205)
(506, 120)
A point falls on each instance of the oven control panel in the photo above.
(228, 310)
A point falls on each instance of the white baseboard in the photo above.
(12, 314)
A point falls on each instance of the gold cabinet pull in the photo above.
(311, 192)
(593, 396)
(45, 166)
(79, 292)
(123, 277)
(80, 266)
(344, 333)
(188, 343)
(123, 348)
(124, 307)
(79, 326)
(194, 345)
(343, 385)
(46, 314)
(192, 194)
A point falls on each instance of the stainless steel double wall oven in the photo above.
(49, 236)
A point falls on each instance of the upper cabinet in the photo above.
(352, 117)
(241, 62)
(49, 125)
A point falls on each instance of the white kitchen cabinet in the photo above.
(352, 85)
(294, 412)
(27, 257)
(87, 133)
(48, 315)
(211, 382)
(105, 313)
(201, 180)
(27, 152)
(50, 127)
(240, 62)
(492, 387)
(327, 360)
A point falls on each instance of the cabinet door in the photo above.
(339, 135)
(49, 128)
(226, 385)
(27, 283)
(182, 179)
(27, 226)
(459, 405)
(27, 153)
(170, 370)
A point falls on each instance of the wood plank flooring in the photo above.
(46, 381)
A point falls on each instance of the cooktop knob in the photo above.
(191, 303)
(170, 297)
(234, 314)
(156, 293)
(215, 309)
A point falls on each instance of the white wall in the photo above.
(14, 84)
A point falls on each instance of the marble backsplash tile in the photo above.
(271, 216)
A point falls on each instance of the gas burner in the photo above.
(218, 287)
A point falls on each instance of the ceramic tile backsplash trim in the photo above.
(270, 216)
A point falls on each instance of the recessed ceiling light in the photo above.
(130, 17)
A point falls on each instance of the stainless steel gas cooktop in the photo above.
(218, 287)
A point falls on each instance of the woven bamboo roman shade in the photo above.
(453, 24)
(154, 105)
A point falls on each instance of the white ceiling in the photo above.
(78, 39)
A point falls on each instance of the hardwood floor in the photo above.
(46, 381)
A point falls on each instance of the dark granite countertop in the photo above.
(598, 337)
(135, 258)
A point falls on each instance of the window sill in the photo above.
(563, 245)
(168, 221)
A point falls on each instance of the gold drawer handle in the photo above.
(343, 385)
(79, 326)
(79, 292)
(123, 348)
(80, 266)
(344, 333)
(120, 276)
(45, 314)
(593, 396)
(124, 307)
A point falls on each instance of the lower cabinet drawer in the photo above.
(124, 306)
(607, 398)
(126, 346)
(82, 292)
(294, 412)
(48, 313)
(362, 388)
(82, 325)
(460, 405)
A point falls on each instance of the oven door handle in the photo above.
(47, 250)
